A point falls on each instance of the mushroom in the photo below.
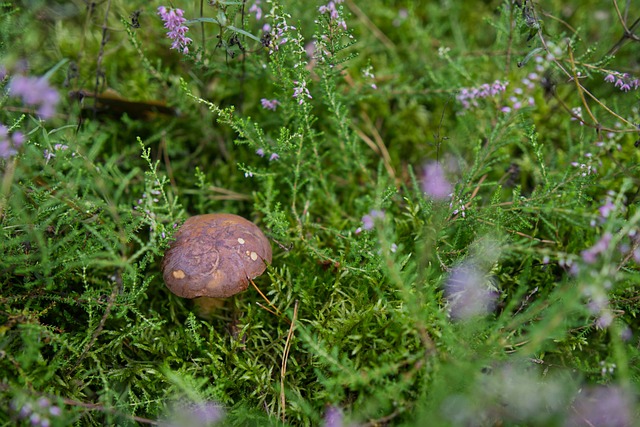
(214, 256)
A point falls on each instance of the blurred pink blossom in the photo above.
(35, 91)
(468, 292)
(434, 182)
(601, 407)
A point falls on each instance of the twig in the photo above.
(285, 357)
(204, 47)
(278, 312)
(98, 331)
(377, 144)
(367, 22)
(103, 43)
(583, 91)
(575, 76)
(101, 408)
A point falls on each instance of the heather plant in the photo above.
(450, 192)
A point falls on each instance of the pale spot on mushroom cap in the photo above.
(254, 256)
(241, 240)
(247, 252)
(178, 274)
(217, 278)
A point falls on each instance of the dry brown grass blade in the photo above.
(275, 309)
(285, 357)
(370, 25)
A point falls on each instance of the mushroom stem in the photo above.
(206, 306)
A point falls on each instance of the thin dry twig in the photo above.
(376, 144)
(103, 43)
(101, 408)
(98, 331)
(572, 76)
(277, 312)
(369, 24)
(285, 358)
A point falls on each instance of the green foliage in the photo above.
(384, 302)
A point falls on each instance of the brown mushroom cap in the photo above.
(215, 255)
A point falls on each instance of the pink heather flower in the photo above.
(334, 15)
(36, 92)
(269, 104)
(300, 91)
(260, 152)
(274, 156)
(255, 8)
(279, 35)
(590, 255)
(174, 22)
(468, 96)
(606, 209)
(467, 293)
(434, 183)
(601, 406)
(195, 414)
(604, 320)
(625, 82)
(333, 417)
(368, 221)
(9, 144)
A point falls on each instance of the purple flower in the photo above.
(274, 156)
(195, 415)
(604, 320)
(36, 92)
(467, 293)
(255, 8)
(590, 255)
(468, 96)
(300, 91)
(260, 152)
(606, 209)
(333, 417)
(334, 15)
(601, 407)
(208, 413)
(279, 35)
(434, 183)
(269, 104)
(368, 221)
(624, 81)
(9, 144)
(174, 22)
